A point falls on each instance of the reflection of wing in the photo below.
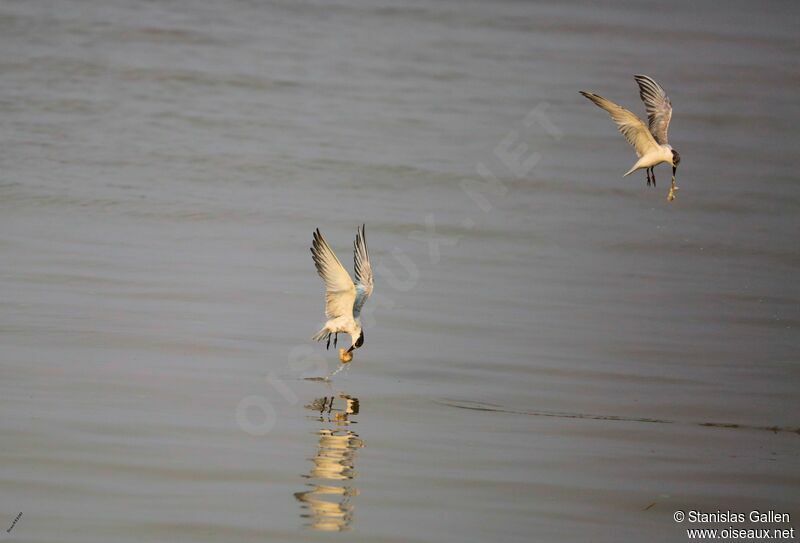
(659, 107)
(363, 270)
(340, 292)
(629, 124)
(324, 513)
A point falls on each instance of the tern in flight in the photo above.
(343, 298)
(650, 141)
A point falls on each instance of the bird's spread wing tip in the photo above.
(658, 106)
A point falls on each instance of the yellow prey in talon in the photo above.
(345, 356)
(672, 190)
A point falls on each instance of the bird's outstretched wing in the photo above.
(659, 107)
(363, 270)
(631, 126)
(340, 292)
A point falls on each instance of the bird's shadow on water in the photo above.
(326, 504)
(494, 408)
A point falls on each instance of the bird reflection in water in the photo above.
(326, 505)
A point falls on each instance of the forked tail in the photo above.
(635, 167)
(322, 334)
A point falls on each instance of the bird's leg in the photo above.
(335, 339)
(653, 175)
(647, 171)
(328, 345)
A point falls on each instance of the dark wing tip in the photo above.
(316, 245)
(647, 83)
(592, 97)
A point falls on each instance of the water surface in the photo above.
(563, 356)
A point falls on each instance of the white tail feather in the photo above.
(322, 334)
(635, 167)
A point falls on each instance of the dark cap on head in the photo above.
(676, 158)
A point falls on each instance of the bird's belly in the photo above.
(651, 159)
(656, 157)
(341, 324)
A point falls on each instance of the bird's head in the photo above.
(359, 340)
(676, 159)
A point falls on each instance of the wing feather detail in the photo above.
(631, 126)
(658, 105)
(363, 270)
(340, 292)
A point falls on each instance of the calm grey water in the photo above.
(563, 356)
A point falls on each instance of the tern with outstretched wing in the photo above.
(343, 297)
(649, 140)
